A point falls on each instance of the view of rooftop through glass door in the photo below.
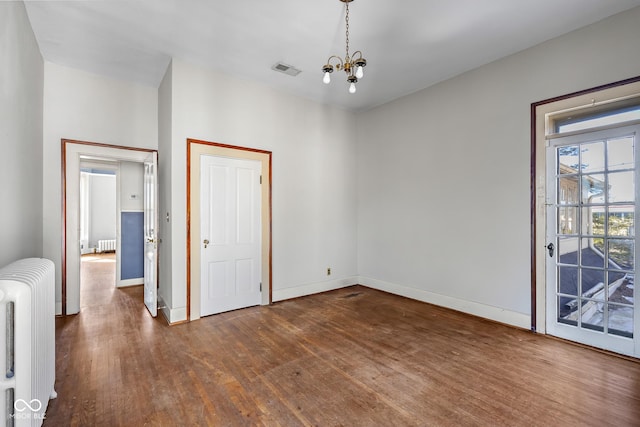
(592, 240)
(596, 234)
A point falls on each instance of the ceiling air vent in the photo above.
(287, 69)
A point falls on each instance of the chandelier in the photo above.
(352, 65)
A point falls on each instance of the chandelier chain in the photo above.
(346, 18)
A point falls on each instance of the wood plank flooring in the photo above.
(351, 357)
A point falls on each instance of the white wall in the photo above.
(131, 186)
(165, 92)
(87, 107)
(102, 208)
(314, 192)
(21, 70)
(443, 208)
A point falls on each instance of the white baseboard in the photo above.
(520, 320)
(166, 313)
(171, 315)
(312, 288)
(178, 315)
(481, 310)
(130, 282)
(58, 308)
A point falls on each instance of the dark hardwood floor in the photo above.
(352, 357)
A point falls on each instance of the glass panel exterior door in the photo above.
(592, 184)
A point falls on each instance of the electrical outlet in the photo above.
(329, 271)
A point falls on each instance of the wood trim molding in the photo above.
(190, 143)
(232, 147)
(100, 144)
(587, 91)
(532, 216)
(63, 268)
(64, 143)
(533, 168)
(188, 267)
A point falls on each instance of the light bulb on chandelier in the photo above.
(353, 65)
(352, 83)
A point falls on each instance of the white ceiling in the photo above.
(409, 44)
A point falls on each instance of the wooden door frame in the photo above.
(92, 148)
(195, 148)
(539, 110)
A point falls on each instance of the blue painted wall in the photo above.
(132, 245)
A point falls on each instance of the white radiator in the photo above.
(27, 329)
(107, 245)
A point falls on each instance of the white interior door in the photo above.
(151, 234)
(230, 239)
(592, 203)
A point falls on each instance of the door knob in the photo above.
(206, 242)
(550, 248)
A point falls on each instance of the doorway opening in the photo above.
(84, 233)
(98, 234)
(585, 201)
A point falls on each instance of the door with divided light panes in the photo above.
(592, 183)
(151, 233)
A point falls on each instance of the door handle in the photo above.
(206, 242)
(550, 248)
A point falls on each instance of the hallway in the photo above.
(97, 279)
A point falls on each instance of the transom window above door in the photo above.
(625, 111)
